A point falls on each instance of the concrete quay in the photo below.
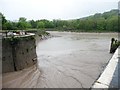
(110, 78)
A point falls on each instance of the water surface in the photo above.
(72, 60)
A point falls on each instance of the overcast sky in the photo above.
(54, 9)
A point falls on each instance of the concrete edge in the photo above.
(108, 74)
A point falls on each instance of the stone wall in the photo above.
(18, 53)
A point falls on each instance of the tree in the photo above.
(9, 25)
(40, 25)
(22, 19)
(101, 24)
(3, 20)
(112, 23)
(107, 21)
(33, 24)
(22, 24)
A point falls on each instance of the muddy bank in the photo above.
(26, 78)
(42, 37)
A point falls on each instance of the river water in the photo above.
(72, 60)
(67, 60)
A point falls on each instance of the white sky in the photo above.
(54, 9)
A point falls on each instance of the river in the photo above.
(67, 60)
(73, 60)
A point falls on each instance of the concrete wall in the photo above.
(110, 76)
(7, 57)
(18, 55)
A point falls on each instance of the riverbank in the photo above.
(42, 37)
(83, 31)
(26, 78)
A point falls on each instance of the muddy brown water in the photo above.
(73, 60)
(68, 60)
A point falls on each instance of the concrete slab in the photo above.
(109, 78)
(100, 85)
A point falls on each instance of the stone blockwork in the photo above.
(18, 53)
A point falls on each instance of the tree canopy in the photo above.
(107, 21)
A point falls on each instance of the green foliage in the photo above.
(32, 23)
(44, 24)
(23, 24)
(107, 21)
(3, 20)
(40, 25)
(8, 25)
